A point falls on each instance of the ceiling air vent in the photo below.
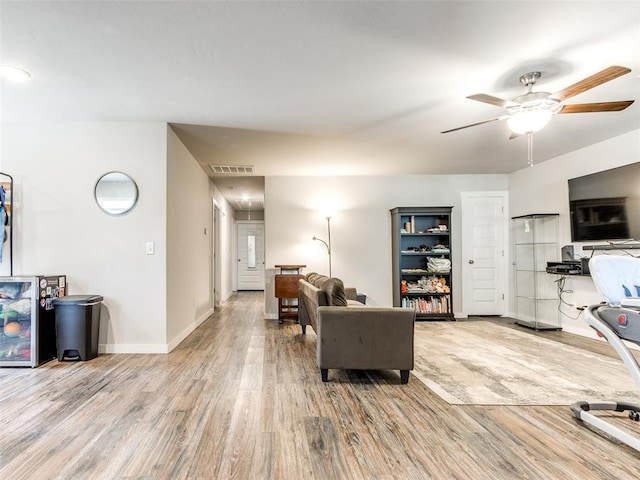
(233, 169)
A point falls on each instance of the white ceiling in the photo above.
(323, 88)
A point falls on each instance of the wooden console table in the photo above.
(286, 288)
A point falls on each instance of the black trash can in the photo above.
(77, 326)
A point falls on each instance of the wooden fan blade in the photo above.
(478, 123)
(596, 107)
(490, 99)
(590, 82)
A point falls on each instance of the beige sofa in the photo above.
(352, 335)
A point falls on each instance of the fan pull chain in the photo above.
(530, 148)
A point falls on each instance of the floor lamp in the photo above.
(327, 244)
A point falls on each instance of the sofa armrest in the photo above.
(365, 338)
(351, 293)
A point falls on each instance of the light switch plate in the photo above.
(150, 248)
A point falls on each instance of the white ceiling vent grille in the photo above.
(233, 169)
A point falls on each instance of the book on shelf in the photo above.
(428, 305)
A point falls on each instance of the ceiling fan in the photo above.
(530, 112)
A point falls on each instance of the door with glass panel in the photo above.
(250, 250)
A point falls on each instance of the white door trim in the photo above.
(216, 230)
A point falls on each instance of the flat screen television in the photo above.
(606, 205)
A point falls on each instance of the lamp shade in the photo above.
(529, 120)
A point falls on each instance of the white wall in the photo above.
(360, 227)
(189, 261)
(544, 189)
(59, 228)
(249, 215)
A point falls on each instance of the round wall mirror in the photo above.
(116, 193)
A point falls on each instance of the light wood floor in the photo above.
(242, 398)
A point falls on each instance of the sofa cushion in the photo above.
(334, 288)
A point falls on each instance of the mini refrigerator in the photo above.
(27, 319)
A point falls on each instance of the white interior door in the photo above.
(484, 253)
(250, 255)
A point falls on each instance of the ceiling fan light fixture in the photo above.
(14, 73)
(529, 120)
(530, 112)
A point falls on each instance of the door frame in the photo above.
(504, 271)
(216, 255)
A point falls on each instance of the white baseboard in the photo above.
(154, 348)
(132, 348)
(185, 333)
(271, 316)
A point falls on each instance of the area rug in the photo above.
(482, 363)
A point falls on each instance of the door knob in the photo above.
(471, 261)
